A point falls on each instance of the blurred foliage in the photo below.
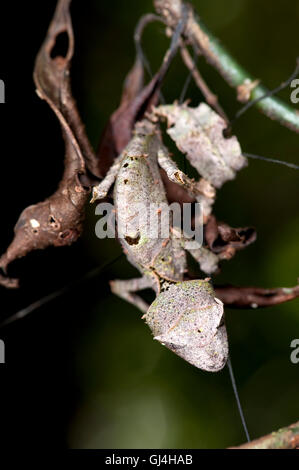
(134, 393)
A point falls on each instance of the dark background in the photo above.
(83, 371)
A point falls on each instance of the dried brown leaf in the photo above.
(58, 220)
(198, 132)
(255, 297)
(135, 102)
(225, 240)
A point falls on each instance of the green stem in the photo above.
(235, 75)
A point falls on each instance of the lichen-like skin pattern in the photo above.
(139, 182)
(189, 320)
(198, 132)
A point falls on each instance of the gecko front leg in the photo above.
(202, 190)
(174, 173)
(101, 191)
(125, 290)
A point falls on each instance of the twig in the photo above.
(188, 79)
(284, 438)
(236, 393)
(269, 93)
(136, 99)
(234, 74)
(58, 293)
(255, 297)
(210, 97)
(271, 160)
(141, 25)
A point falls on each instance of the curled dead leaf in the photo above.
(225, 240)
(255, 297)
(58, 220)
(136, 101)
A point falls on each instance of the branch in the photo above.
(255, 297)
(210, 97)
(232, 72)
(284, 438)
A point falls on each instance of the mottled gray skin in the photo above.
(185, 317)
(139, 181)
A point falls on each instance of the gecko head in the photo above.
(189, 320)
